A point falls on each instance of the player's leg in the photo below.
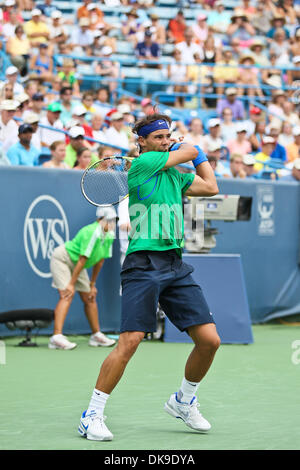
(91, 311)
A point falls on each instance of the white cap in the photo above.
(296, 59)
(297, 164)
(296, 131)
(108, 213)
(36, 12)
(31, 118)
(240, 127)
(76, 131)
(9, 3)
(22, 97)
(91, 6)
(106, 50)
(214, 146)
(213, 122)
(56, 14)
(268, 140)
(231, 91)
(79, 110)
(124, 108)
(11, 70)
(248, 159)
(116, 116)
(9, 105)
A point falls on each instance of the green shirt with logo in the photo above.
(155, 204)
(92, 242)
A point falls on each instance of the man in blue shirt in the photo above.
(23, 152)
(279, 151)
(147, 49)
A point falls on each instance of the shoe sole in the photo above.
(173, 413)
(53, 346)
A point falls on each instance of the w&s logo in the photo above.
(45, 227)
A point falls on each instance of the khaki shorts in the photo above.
(62, 268)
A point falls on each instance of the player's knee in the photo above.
(130, 344)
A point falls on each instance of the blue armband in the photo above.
(175, 146)
(201, 157)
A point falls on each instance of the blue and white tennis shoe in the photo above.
(92, 427)
(189, 413)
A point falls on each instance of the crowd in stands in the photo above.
(230, 72)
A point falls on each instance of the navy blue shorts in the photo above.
(149, 277)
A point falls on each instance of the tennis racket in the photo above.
(104, 183)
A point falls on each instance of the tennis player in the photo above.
(153, 271)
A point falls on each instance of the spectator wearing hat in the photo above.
(67, 75)
(36, 105)
(294, 75)
(81, 36)
(46, 8)
(148, 49)
(42, 63)
(96, 17)
(58, 31)
(51, 120)
(23, 152)
(228, 126)
(36, 29)
(255, 115)
(272, 76)
(281, 47)
(261, 20)
(249, 166)
(85, 11)
(225, 71)
(11, 76)
(116, 134)
(240, 144)
(79, 116)
(257, 52)
(176, 28)
(241, 28)
(76, 141)
(8, 28)
(277, 22)
(108, 68)
(18, 48)
(267, 148)
(9, 9)
(147, 107)
(279, 152)
(248, 77)
(32, 120)
(213, 136)
(275, 107)
(131, 25)
(23, 101)
(8, 126)
(69, 266)
(290, 114)
(231, 101)
(213, 153)
(200, 29)
(158, 30)
(218, 19)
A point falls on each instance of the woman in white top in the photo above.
(58, 154)
(177, 73)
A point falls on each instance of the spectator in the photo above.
(257, 51)
(53, 93)
(148, 49)
(67, 104)
(82, 37)
(255, 116)
(46, 8)
(295, 47)
(11, 74)
(79, 116)
(58, 154)
(8, 126)
(36, 106)
(67, 74)
(272, 76)
(88, 249)
(286, 134)
(32, 120)
(221, 169)
(290, 115)
(98, 134)
(23, 152)
(100, 41)
(76, 135)
(7, 92)
(102, 101)
(9, 10)
(36, 29)
(42, 63)
(293, 149)
(246, 8)
(108, 69)
(241, 28)
(177, 72)
(256, 138)
(261, 20)
(200, 29)
(158, 30)
(294, 75)
(84, 158)
(52, 120)
(147, 106)
(278, 22)
(236, 166)
(281, 47)
(195, 135)
(23, 104)
(294, 176)
(262, 157)
(189, 47)
(115, 134)
(241, 144)
(57, 29)
(228, 126)
(249, 166)
(213, 136)
(231, 101)
(226, 71)
(279, 151)
(96, 17)
(211, 52)
(131, 26)
(218, 18)
(176, 28)
(18, 48)
(248, 78)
